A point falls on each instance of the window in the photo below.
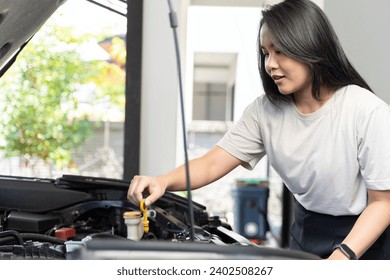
(213, 88)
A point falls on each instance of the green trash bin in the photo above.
(250, 202)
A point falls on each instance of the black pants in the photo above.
(318, 233)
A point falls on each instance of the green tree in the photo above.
(38, 102)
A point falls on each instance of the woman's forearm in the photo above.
(203, 170)
(370, 225)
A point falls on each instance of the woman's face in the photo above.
(291, 76)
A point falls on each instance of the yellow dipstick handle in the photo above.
(145, 214)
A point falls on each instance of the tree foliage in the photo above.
(38, 101)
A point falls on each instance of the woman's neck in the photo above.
(307, 104)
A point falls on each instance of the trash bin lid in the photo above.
(257, 182)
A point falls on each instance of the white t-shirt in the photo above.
(327, 159)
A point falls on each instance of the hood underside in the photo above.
(19, 21)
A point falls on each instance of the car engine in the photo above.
(76, 217)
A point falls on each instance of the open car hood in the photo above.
(19, 21)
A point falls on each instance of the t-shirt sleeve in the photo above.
(374, 148)
(244, 140)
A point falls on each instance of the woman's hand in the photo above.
(154, 186)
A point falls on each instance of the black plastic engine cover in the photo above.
(29, 222)
(36, 195)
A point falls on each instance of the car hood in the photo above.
(19, 21)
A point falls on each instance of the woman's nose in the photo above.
(270, 63)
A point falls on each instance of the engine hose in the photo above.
(12, 233)
(42, 238)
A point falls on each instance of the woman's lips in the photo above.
(277, 78)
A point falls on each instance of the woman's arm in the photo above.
(369, 226)
(203, 170)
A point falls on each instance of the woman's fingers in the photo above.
(137, 186)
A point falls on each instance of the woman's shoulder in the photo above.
(362, 104)
(261, 99)
(263, 103)
(359, 96)
(261, 107)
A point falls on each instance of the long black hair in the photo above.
(301, 30)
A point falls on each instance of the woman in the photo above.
(323, 130)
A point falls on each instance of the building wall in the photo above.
(159, 88)
(234, 32)
(362, 27)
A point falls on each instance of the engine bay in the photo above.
(49, 218)
(77, 217)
